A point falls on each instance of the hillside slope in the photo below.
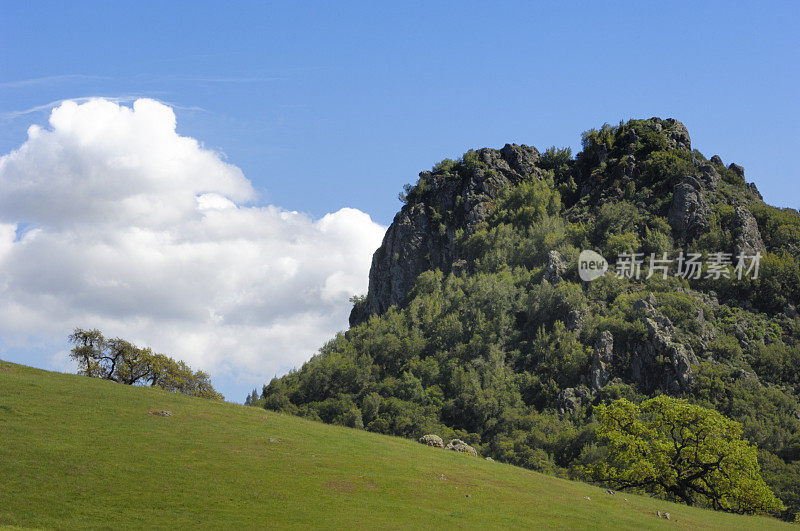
(479, 323)
(80, 452)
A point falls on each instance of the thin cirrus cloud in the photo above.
(110, 219)
(44, 80)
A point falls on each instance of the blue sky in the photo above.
(326, 105)
(331, 104)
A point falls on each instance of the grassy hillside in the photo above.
(79, 452)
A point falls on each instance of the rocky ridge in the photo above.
(422, 234)
(458, 197)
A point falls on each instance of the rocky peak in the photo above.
(615, 162)
(614, 156)
(455, 195)
(676, 133)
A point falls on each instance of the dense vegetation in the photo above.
(496, 355)
(120, 361)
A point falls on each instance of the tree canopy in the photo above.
(667, 445)
(120, 361)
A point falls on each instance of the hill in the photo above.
(479, 323)
(81, 452)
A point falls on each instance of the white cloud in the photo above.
(110, 219)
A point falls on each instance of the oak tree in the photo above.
(120, 361)
(669, 446)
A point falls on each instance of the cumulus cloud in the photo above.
(110, 219)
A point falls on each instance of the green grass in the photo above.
(79, 452)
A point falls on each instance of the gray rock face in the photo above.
(709, 175)
(576, 320)
(432, 440)
(754, 190)
(689, 211)
(677, 134)
(556, 266)
(738, 170)
(572, 399)
(601, 361)
(457, 445)
(422, 235)
(646, 367)
(746, 234)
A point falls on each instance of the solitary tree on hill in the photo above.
(669, 446)
(120, 361)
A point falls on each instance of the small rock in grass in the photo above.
(160, 412)
(587, 498)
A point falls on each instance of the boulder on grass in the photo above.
(432, 440)
(457, 445)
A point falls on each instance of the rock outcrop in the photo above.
(432, 440)
(754, 190)
(601, 360)
(576, 320)
(746, 234)
(660, 362)
(556, 267)
(572, 399)
(459, 196)
(738, 170)
(457, 445)
(689, 212)
(709, 175)
(422, 235)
